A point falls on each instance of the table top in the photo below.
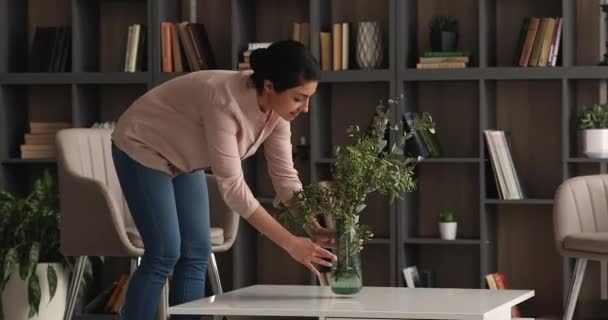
(370, 302)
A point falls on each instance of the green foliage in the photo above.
(593, 116)
(29, 234)
(362, 167)
(444, 24)
(447, 216)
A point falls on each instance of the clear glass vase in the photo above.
(346, 272)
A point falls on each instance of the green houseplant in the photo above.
(593, 126)
(444, 33)
(366, 165)
(29, 235)
(447, 225)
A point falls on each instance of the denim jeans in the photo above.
(172, 217)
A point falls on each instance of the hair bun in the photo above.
(257, 59)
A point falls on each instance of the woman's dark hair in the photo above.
(285, 63)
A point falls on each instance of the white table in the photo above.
(370, 303)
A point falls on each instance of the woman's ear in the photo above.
(268, 87)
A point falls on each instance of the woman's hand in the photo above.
(306, 252)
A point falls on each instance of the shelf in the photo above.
(380, 75)
(75, 78)
(451, 160)
(520, 202)
(378, 241)
(586, 160)
(325, 161)
(17, 161)
(505, 73)
(95, 316)
(435, 241)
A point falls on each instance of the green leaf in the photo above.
(33, 293)
(28, 265)
(51, 276)
(10, 259)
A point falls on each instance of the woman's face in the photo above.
(291, 102)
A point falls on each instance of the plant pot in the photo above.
(444, 41)
(346, 272)
(595, 143)
(15, 301)
(447, 230)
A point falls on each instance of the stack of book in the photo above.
(40, 141)
(335, 47)
(250, 47)
(135, 53)
(497, 281)
(185, 46)
(443, 60)
(506, 179)
(539, 41)
(51, 49)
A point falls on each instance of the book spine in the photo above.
(529, 43)
(337, 47)
(165, 40)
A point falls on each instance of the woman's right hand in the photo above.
(306, 252)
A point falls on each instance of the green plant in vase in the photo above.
(362, 167)
(593, 126)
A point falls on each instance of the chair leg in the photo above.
(214, 275)
(74, 286)
(575, 287)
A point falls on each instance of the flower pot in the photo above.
(595, 143)
(346, 272)
(444, 41)
(447, 230)
(369, 45)
(15, 301)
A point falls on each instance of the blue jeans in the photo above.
(172, 217)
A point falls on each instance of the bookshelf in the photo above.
(536, 105)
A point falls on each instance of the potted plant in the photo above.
(447, 225)
(361, 167)
(593, 126)
(35, 275)
(444, 33)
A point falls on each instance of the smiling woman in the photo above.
(210, 119)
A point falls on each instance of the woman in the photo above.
(210, 119)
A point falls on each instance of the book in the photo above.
(546, 42)
(39, 139)
(337, 46)
(558, 37)
(501, 284)
(435, 54)
(165, 44)
(188, 46)
(538, 43)
(326, 55)
(491, 283)
(305, 33)
(176, 49)
(444, 59)
(48, 127)
(526, 52)
(116, 292)
(412, 277)
(202, 46)
(523, 31)
(38, 151)
(345, 45)
(442, 65)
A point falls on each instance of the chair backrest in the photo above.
(581, 205)
(95, 217)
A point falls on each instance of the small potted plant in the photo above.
(593, 126)
(444, 33)
(447, 225)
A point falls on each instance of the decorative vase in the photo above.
(444, 41)
(370, 46)
(15, 303)
(595, 143)
(447, 230)
(346, 272)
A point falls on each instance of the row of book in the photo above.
(39, 143)
(136, 56)
(498, 281)
(301, 33)
(111, 299)
(51, 49)
(185, 46)
(506, 178)
(443, 60)
(335, 47)
(539, 42)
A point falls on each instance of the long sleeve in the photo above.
(221, 131)
(278, 153)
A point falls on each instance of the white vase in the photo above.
(15, 300)
(447, 230)
(595, 143)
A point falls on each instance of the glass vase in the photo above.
(346, 272)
